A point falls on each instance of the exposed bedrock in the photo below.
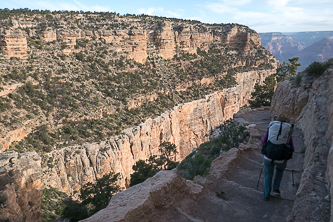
(310, 106)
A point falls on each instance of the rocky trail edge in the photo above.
(228, 193)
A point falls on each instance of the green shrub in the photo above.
(262, 95)
(145, 169)
(5, 104)
(317, 68)
(298, 79)
(198, 162)
(94, 198)
(52, 205)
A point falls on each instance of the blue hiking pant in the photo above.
(269, 170)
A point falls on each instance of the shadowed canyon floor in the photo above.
(234, 197)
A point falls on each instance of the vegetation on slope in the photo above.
(144, 169)
(92, 198)
(199, 161)
(96, 92)
(93, 94)
(52, 204)
(263, 94)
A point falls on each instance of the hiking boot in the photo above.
(276, 191)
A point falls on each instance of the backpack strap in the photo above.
(280, 130)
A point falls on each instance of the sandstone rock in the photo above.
(164, 41)
(142, 202)
(194, 188)
(223, 163)
(8, 204)
(254, 132)
(310, 107)
(49, 36)
(21, 187)
(14, 43)
(241, 121)
(15, 135)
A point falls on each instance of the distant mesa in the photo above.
(308, 46)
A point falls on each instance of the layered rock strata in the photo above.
(310, 106)
(135, 44)
(14, 43)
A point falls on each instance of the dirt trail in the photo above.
(234, 197)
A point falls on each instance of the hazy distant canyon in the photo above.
(308, 46)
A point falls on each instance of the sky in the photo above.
(260, 15)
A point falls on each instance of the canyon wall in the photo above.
(68, 169)
(145, 41)
(310, 106)
(134, 44)
(186, 125)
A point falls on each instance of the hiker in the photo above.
(278, 149)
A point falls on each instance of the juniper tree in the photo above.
(287, 70)
(145, 169)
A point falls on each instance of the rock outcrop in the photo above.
(310, 106)
(145, 201)
(49, 36)
(14, 43)
(21, 186)
(136, 42)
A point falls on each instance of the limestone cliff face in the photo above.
(189, 40)
(186, 125)
(16, 135)
(131, 42)
(310, 106)
(21, 186)
(14, 43)
(164, 41)
(134, 43)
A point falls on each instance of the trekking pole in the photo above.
(260, 175)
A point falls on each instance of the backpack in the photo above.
(276, 147)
